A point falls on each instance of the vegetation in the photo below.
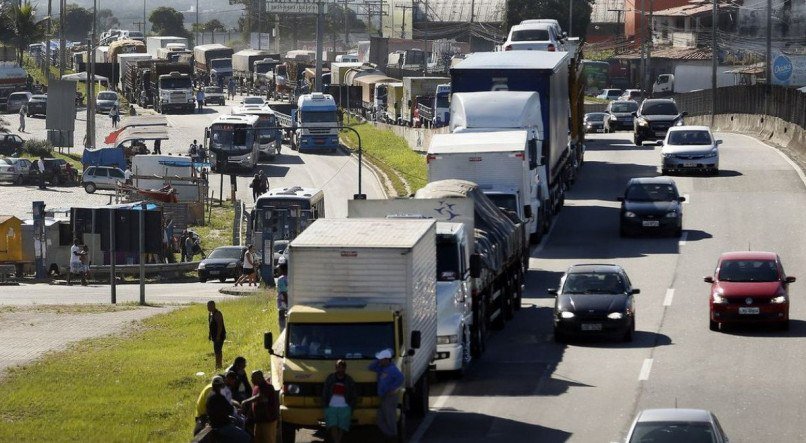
(519, 10)
(218, 230)
(18, 26)
(138, 387)
(167, 21)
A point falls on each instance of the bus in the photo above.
(270, 136)
(597, 76)
(232, 142)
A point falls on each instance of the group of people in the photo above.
(259, 184)
(196, 152)
(190, 246)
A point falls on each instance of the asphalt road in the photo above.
(527, 388)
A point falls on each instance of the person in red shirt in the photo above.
(339, 398)
(265, 406)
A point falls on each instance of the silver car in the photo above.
(690, 148)
(101, 177)
(14, 169)
(676, 425)
(105, 101)
(16, 100)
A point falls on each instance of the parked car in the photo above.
(280, 251)
(16, 100)
(651, 204)
(749, 287)
(620, 115)
(15, 170)
(223, 263)
(594, 300)
(38, 105)
(610, 94)
(654, 118)
(11, 144)
(101, 177)
(632, 94)
(594, 121)
(57, 172)
(690, 148)
(105, 101)
(676, 425)
(534, 36)
(214, 94)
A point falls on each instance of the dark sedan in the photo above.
(37, 105)
(651, 205)
(594, 121)
(223, 263)
(594, 300)
(619, 115)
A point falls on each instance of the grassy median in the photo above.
(138, 387)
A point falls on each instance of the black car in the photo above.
(57, 172)
(654, 118)
(594, 121)
(37, 105)
(594, 300)
(223, 263)
(10, 144)
(651, 205)
(620, 115)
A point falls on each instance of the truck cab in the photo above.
(664, 83)
(316, 122)
(220, 71)
(175, 93)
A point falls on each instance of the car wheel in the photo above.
(202, 280)
(55, 181)
(784, 326)
(628, 336)
(90, 188)
(19, 180)
(712, 325)
(222, 279)
(638, 141)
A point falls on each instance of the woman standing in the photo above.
(115, 115)
(248, 267)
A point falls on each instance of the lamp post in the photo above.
(360, 195)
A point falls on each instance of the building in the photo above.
(607, 21)
(634, 9)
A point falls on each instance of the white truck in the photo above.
(418, 90)
(213, 63)
(356, 287)
(454, 247)
(154, 44)
(687, 78)
(314, 122)
(243, 63)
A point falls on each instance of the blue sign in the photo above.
(782, 69)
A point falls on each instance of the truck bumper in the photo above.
(449, 357)
(318, 142)
(314, 418)
(186, 107)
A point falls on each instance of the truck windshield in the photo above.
(281, 70)
(447, 260)
(263, 68)
(176, 83)
(318, 116)
(230, 138)
(506, 201)
(328, 341)
(221, 63)
(443, 101)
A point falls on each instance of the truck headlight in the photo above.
(291, 389)
(447, 339)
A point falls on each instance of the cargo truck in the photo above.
(243, 64)
(260, 70)
(125, 61)
(314, 122)
(165, 86)
(154, 44)
(213, 63)
(12, 78)
(394, 102)
(416, 89)
(126, 46)
(356, 287)
(435, 111)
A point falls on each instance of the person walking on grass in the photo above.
(282, 294)
(390, 379)
(339, 398)
(217, 332)
(248, 268)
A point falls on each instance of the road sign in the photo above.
(291, 8)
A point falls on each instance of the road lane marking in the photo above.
(683, 238)
(439, 403)
(687, 199)
(669, 296)
(645, 368)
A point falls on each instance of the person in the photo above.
(200, 98)
(282, 294)
(255, 185)
(217, 333)
(127, 175)
(390, 379)
(193, 150)
(76, 251)
(115, 115)
(189, 247)
(231, 88)
(265, 406)
(217, 386)
(182, 246)
(339, 398)
(40, 164)
(85, 263)
(242, 389)
(158, 146)
(167, 241)
(220, 427)
(248, 267)
(23, 111)
(264, 182)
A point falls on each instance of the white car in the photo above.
(14, 169)
(253, 102)
(690, 148)
(533, 35)
(610, 94)
(101, 177)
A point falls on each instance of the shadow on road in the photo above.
(538, 282)
(797, 329)
(457, 426)
(641, 339)
(284, 159)
(608, 144)
(606, 181)
(696, 234)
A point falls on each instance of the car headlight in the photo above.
(291, 389)
(671, 214)
(713, 153)
(629, 214)
(201, 266)
(613, 118)
(447, 339)
(567, 315)
(642, 122)
(615, 316)
(779, 299)
(231, 265)
(719, 299)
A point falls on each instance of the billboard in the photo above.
(788, 69)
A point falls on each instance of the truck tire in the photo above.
(499, 321)
(479, 339)
(519, 292)
(419, 399)
(288, 433)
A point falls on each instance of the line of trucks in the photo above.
(428, 276)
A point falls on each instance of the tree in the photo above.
(519, 10)
(77, 22)
(167, 21)
(21, 27)
(107, 20)
(214, 25)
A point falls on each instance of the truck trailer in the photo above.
(155, 43)
(415, 90)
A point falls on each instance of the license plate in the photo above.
(749, 311)
(319, 141)
(689, 165)
(650, 223)
(214, 272)
(591, 326)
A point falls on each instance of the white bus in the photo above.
(232, 142)
(270, 137)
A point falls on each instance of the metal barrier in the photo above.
(788, 104)
(150, 268)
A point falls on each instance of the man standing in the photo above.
(200, 98)
(231, 88)
(158, 146)
(127, 175)
(23, 111)
(264, 182)
(218, 332)
(41, 165)
(114, 115)
(390, 379)
(255, 184)
(76, 267)
(265, 406)
(339, 398)
(282, 294)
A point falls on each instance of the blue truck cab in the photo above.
(316, 123)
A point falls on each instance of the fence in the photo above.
(788, 104)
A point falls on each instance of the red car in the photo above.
(749, 287)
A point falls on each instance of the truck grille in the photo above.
(315, 389)
(177, 96)
(319, 131)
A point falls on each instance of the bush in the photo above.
(37, 148)
(3, 125)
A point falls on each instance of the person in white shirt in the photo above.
(76, 267)
(41, 165)
(248, 267)
(127, 175)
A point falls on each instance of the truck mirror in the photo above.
(527, 211)
(475, 265)
(268, 341)
(415, 339)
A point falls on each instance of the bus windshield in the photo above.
(231, 138)
(266, 121)
(285, 211)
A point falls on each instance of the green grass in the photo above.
(590, 99)
(135, 388)
(390, 153)
(73, 159)
(70, 309)
(219, 231)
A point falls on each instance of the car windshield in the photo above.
(689, 138)
(673, 432)
(318, 116)
(447, 260)
(659, 108)
(234, 253)
(594, 117)
(748, 271)
(530, 35)
(650, 192)
(624, 107)
(107, 96)
(5, 161)
(330, 341)
(614, 93)
(253, 101)
(594, 283)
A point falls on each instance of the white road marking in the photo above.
(439, 403)
(688, 199)
(683, 238)
(645, 368)
(669, 296)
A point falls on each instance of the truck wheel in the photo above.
(499, 321)
(401, 428)
(479, 340)
(419, 398)
(288, 433)
(519, 292)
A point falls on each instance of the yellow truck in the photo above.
(356, 287)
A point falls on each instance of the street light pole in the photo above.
(570, 17)
(360, 195)
(714, 27)
(62, 40)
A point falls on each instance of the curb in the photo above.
(243, 291)
(383, 180)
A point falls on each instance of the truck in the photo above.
(127, 46)
(154, 44)
(125, 62)
(687, 78)
(213, 63)
(394, 102)
(12, 78)
(435, 111)
(243, 64)
(368, 84)
(414, 90)
(356, 287)
(101, 54)
(165, 86)
(339, 69)
(260, 71)
(314, 122)
(454, 244)
(552, 75)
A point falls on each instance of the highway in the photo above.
(526, 388)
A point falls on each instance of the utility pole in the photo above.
(403, 25)
(320, 26)
(91, 80)
(570, 17)
(47, 39)
(649, 43)
(259, 24)
(642, 22)
(138, 26)
(144, 17)
(470, 26)
(197, 42)
(346, 27)
(769, 46)
(714, 28)
(62, 41)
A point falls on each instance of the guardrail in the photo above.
(788, 104)
(150, 268)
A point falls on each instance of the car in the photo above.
(594, 299)
(690, 148)
(105, 101)
(534, 36)
(651, 204)
(101, 177)
(214, 94)
(749, 287)
(15, 170)
(37, 105)
(254, 102)
(16, 100)
(632, 94)
(57, 172)
(594, 121)
(279, 251)
(620, 115)
(676, 425)
(610, 94)
(11, 144)
(223, 263)
(654, 118)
